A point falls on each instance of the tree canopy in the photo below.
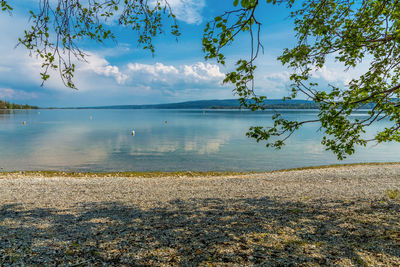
(58, 26)
(353, 33)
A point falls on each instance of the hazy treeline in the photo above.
(9, 105)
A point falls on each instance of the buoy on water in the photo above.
(90, 118)
(24, 122)
(133, 133)
(166, 122)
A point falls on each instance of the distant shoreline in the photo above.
(216, 104)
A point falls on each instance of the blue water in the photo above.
(196, 140)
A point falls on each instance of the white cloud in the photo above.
(283, 76)
(188, 11)
(101, 66)
(186, 81)
(274, 84)
(7, 93)
(157, 70)
(333, 75)
(336, 72)
(201, 71)
(158, 74)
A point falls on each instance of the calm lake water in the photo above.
(196, 140)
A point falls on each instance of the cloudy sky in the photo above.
(121, 73)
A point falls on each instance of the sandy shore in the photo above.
(332, 216)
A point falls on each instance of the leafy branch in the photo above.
(349, 32)
(57, 28)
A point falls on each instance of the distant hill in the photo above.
(217, 104)
(9, 105)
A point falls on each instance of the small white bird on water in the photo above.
(24, 122)
(133, 133)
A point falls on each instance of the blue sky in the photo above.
(122, 73)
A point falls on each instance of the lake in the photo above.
(164, 140)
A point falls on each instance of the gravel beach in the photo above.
(346, 215)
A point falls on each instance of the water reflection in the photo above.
(62, 146)
(68, 139)
(5, 114)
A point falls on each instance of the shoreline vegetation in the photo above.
(155, 174)
(6, 105)
(345, 215)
